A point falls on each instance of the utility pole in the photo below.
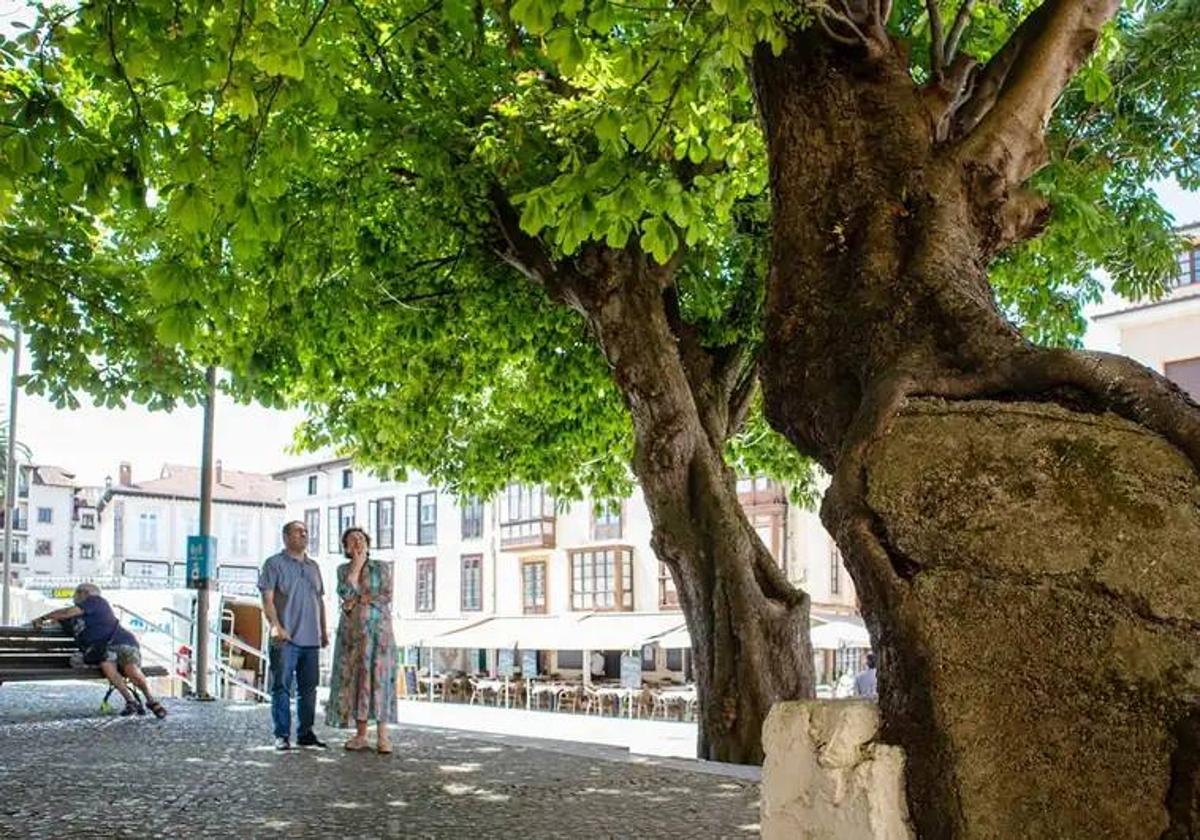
(10, 482)
(206, 490)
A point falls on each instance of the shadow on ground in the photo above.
(209, 770)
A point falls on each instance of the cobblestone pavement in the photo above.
(209, 770)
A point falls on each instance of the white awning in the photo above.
(677, 638)
(830, 635)
(588, 631)
(528, 632)
(618, 631)
(418, 632)
(840, 634)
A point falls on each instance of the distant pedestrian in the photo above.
(864, 682)
(362, 684)
(294, 604)
(105, 644)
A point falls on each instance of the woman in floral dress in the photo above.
(362, 686)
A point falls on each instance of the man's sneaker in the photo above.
(312, 742)
(282, 744)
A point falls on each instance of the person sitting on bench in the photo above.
(107, 645)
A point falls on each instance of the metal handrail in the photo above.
(230, 676)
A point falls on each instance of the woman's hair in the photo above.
(354, 529)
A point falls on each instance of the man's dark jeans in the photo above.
(301, 665)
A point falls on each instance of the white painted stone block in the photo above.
(825, 777)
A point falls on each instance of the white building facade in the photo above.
(144, 525)
(55, 528)
(519, 554)
(1164, 335)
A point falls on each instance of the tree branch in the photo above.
(958, 28)
(1006, 118)
(937, 40)
(527, 254)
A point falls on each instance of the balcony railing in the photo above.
(527, 533)
(20, 521)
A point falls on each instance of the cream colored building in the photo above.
(537, 571)
(1164, 334)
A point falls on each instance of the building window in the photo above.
(331, 542)
(345, 522)
(381, 516)
(472, 582)
(240, 544)
(526, 517)
(426, 580)
(312, 524)
(43, 548)
(88, 521)
(606, 521)
(649, 660)
(602, 579)
(312, 485)
(243, 574)
(23, 482)
(1189, 268)
(19, 557)
(472, 518)
(87, 551)
(420, 526)
(45, 515)
(533, 587)
(148, 532)
(675, 659)
(668, 596)
(1186, 374)
(835, 570)
(347, 479)
(769, 527)
(523, 503)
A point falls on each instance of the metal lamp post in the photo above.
(10, 484)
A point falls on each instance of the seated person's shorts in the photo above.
(121, 654)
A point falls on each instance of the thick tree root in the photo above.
(1106, 382)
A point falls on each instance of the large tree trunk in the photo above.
(1027, 567)
(749, 625)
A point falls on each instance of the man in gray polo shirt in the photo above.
(294, 603)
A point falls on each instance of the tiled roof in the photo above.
(53, 476)
(184, 482)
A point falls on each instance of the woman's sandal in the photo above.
(355, 744)
(160, 711)
(384, 747)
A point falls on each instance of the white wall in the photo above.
(60, 502)
(174, 519)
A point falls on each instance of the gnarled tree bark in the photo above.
(1021, 523)
(749, 625)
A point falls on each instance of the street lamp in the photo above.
(10, 483)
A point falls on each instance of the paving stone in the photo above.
(209, 770)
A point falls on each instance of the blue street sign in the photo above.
(200, 554)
